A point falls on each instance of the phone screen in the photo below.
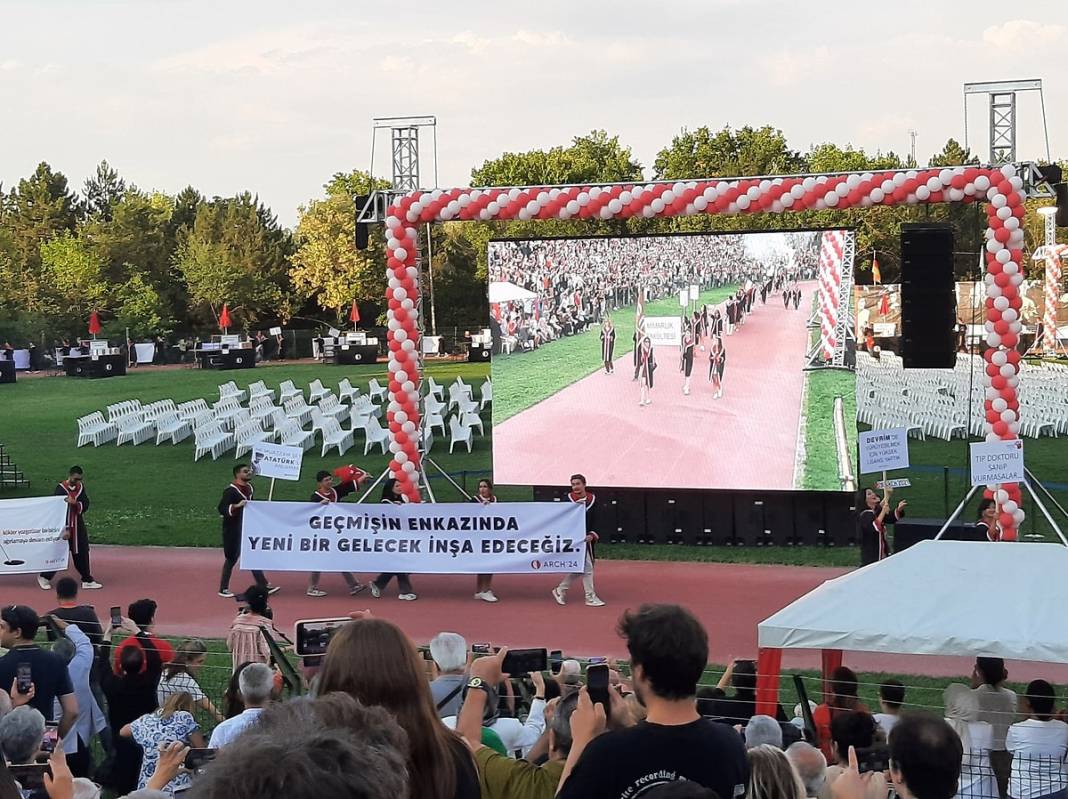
(51, 737)
(556, 661)
(198, 758)
(597, 684)
(30, 776)
(480, 649)
(525, 661)
(116, 616)
(313, 635)
(24, 678)
(873, 759)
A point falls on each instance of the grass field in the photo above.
(524, 379)
(821, 455)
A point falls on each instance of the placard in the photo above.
(31, 535)
(883, 450)
(997, 462)
(275, 331)
(664, 331)
(419, 538)
(900, 482)
(684, 298)
(276, 460)
(695, 292)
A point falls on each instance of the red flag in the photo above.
(884, 304)
(94, 324)
(354, 314)
(224, 318)
(876, 275)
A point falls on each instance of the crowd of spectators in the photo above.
(377, 718)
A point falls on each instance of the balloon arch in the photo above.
(1001, 187)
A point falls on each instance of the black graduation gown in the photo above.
(231, 519)
(75, 513)
(874, 544)
(608, 344)
(646, 367)
(686, 356)
(717, 363)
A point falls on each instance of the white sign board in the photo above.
(684, 298)
(31, 535)
(900, 482)
(275, 331)
(884, 330)
(424, 538)
(997, 462)
(883, 450)
(695, 292)
(664, 331)
(276, 460)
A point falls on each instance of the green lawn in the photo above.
(821, 454)
(522, 380)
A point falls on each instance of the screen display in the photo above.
(680, 361)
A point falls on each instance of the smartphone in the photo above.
(597, 684)
(556, 661)
(24, 678)
(198, 758)
(480, 649)
(312, 636)
(597, 661)
(873, 759)
(30, 775)
(116, 616)
(525, 661)
(51, 737)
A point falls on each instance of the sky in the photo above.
(275, 97)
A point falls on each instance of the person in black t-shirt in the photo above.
(48, 672)
(71, 612)
(668, 652)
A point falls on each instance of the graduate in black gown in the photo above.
(873, 514)
(326, 492)
(797, 298)
(646, 367)
(391, 495)
(608, 345)
(686, 357)
(787, 295)
(717, 363)
(73, 492)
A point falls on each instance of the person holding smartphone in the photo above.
(35, 676)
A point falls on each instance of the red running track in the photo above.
(679, 441)
(729, 599)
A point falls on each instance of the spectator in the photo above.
(741, 675)
(682, 789)
(375, 663)
(21, 733)
(855, 731)
(233, 705)
(245, 641)
(997, 706)
(810, 765)
(843, 687)
(668, 653)
(516, 736)
(763, 730)
(157, 651)
(891, 698)
(503, 777)
(131, 694)
(48, 671)
(179, 676)
(1038, 745)
(256, 684)
(449, 653)
(771, 776)
(925, 757)
(77, 650)
(330, 747)
(173, 722)
(70, 611)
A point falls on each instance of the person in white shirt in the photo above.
(517, 736)
(891, 698)
(77, 650)
(256, 682)
(1038, 745)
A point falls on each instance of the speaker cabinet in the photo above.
(928, 299)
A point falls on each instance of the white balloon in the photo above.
(1009, 505)
(400, 254)
(1009, 170)
(742, 202)
(956, 195)
(1010, 267)
(998, 201)
(1016, 280)
(993, 291)
(945, 176)
(411, 272)
(1014, 428)
(999, 358)
(401, 457)
(573, 207)
(408, 427)
(993, 245)
(1001, 303)
(700, 203)
(820, 204)
(1003, 256)
(1010, 314)
(409, 467)
(831, 198)
(982, 183)
(786, 201)
(400, 335)
(1000, 496)
(809, 183)
(407, 304)
(399, 293)
(1007, 370)
(923, 193)
(1004, 213)
(615, 206)
(993, 340)
(605, 212)
(668, 197)
(394, 447)
(999, 405)
(583, 198)
(1012, 223)
(842, 189)
(933, 184)
(887, 186)
(402, 374)
(777, 207)
(493, 208)
(877, 195)
(1018, 517)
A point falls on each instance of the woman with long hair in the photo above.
(608, 345)
(172, 723)
(131, 694)
(179, 676)
(245, 641)
(771, 776)
(717, 364)
(987, 521)
(374, 662)
(484, 582)
(391, 495)
(873, 514)
(646, 367)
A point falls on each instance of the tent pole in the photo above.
(956, 513)
(1041, 507)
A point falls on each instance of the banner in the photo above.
(425, 538)
(664, 331)
(31, 535)
(997, 462)
(276, 460)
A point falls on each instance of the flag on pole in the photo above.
(224, 318)
(876, 275)
(884, 304)
(354, 314)
(639, 316)
(94, 324)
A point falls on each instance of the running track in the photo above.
(730, 600)
(679, 441)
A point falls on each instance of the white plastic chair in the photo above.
(170, 426)
(134, 430)
(331, 406)
(435, 389)
(347, 392)
(374, 390)
(298, 409)
(376, 434)
(230, 389)
(286, 391)
(259, 389)
(292, 435)
(459, 433)
(248, 435)
(95, 429)
(335, 436)
(316, 391)
(487, 395)
(472, 420)
(261, 408)
(435, 419)
(213, 439)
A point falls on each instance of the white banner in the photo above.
(664, 331)
(425, 538)
(31, 535)
(997, 462)
(276, 460)
(883, 450)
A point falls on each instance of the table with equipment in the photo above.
(111, 364)
(481, 347)
(355, 348)
(225, 357)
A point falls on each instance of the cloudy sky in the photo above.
(275, 96)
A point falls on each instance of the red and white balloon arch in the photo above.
(1001, 188)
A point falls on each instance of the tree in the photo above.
(76, 280)
(953, 154)
(326, 265)
(830, 157)
(102, 191)
(594, 158)
(140, 308)
(727, 153)
(40, 207)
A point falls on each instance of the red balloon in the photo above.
(958, 181)
(394, 427)
(1013, 356)
(394, 345)
(1010, 340)
(988, 494)
(395, 387)
(1008, 533)
(1009, 290)
(992, 370)
(1006, 520)
(1019, 211)
(1000, 428)
(993, 417)
(998, 382)
(1003, 234)
(1002, 280)
(1001, 327)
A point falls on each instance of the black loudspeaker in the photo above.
(928, 301)
(717, 527)
(748, 519)
(809, 526)
(689, 518)
(778, 519)
(659, 518)
(630, 515)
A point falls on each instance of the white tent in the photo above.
(501, 291)
(938, 598)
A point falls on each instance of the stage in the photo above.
(730, 599)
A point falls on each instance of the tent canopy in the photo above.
(502, 291)
(938, 598)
